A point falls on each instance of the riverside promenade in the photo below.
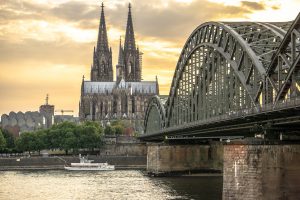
(57, 163)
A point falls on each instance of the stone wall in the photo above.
(162, 158)
(261, 172)
(124, 149)
(121, 162)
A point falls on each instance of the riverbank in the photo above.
(58, 163)
(192, 173)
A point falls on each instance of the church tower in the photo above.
(129, 56)
(101, 69)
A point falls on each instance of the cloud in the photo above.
(61, 52)
(175, 20)
(75, 11)
(275, 7)
(253, 5)
(45, 46)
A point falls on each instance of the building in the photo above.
(65, 118)
(48, 112)
(103, 99)
(19, 122)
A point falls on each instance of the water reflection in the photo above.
(64, 185)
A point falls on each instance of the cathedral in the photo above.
(103, 99)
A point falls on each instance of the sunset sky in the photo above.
(46, 45)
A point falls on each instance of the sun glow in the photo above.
(184, 1)
(46, 45)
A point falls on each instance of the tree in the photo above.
(40, 140)
(99, 128)
(118, 126)
(2, 141)
(70, 142)
(90, 137)
(109, 130)
(10, 140)
(53, 138)
(64, 136)
(119, 130)
(27, 142)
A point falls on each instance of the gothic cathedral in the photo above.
(103, 99)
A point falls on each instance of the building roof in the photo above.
(143, 87)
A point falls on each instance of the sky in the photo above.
(46, 45)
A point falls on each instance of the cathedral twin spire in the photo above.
(128, 66)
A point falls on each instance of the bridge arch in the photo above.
(155, 115)
(229, 77)
(245, 50)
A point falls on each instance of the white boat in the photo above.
(87, 165)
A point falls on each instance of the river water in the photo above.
(123, 184)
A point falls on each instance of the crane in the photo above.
(63, 111)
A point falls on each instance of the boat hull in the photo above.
(89, 168)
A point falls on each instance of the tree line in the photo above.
(64, 136)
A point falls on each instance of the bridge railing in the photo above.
(237, 114)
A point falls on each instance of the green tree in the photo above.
(99, 128)
(118, 126)
(2, 141)
(10, 140)
(119, 129)
(90, 137)
(40, 140)
(53, 138)
(70, 142)
(27, 142)
(64, 136)
(109, 130)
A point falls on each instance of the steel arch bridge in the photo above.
(230, 75)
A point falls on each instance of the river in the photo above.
(119, 184)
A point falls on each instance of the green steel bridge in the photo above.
(232, 79)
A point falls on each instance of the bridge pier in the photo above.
(261, 171)
(165, 159)
(250, 170)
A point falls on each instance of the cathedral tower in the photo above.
(129, 56)
(101, 69)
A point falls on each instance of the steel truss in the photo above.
(227, 67)
(155, 115)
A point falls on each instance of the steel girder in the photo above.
(215, 52)
(155, 115)
(283, 74)
(230, 67)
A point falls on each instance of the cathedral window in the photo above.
(101, 108)
(133, 105)
(106, 108)
(93, 110)
(115, 105)
(104, 67)
(130, 67)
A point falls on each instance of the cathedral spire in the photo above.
(129, 37)
(132, 68)
(82, 86)
(102, 62)
(121, 56)
(102, 43)
(120, 65)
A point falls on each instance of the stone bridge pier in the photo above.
(163, 159)
(265, 172)
(250, 171)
